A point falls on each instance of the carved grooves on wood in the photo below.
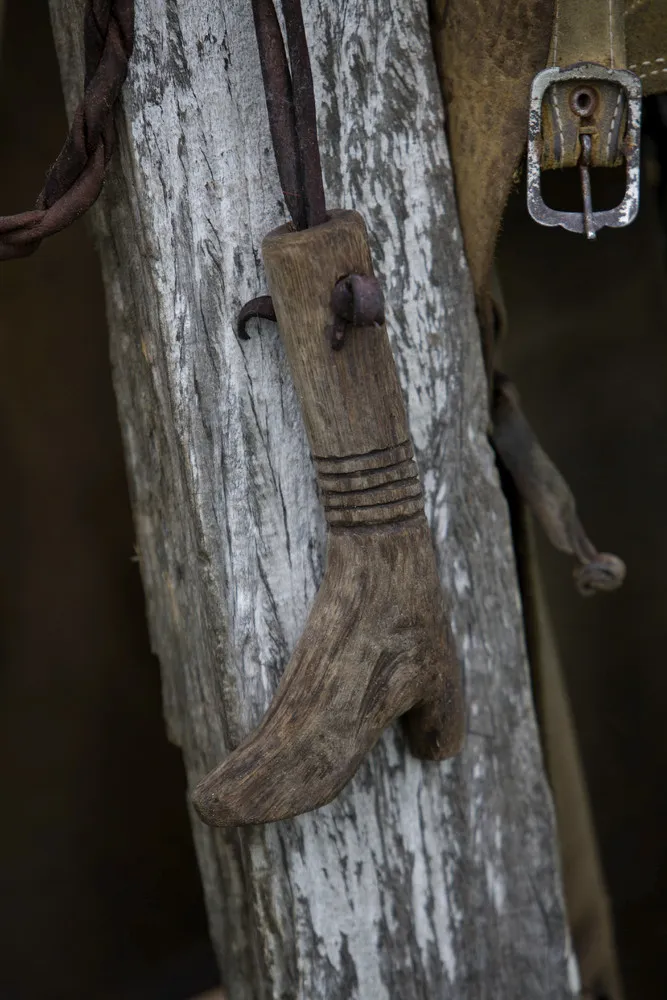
(377, 488)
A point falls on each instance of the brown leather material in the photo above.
(588, 31)
(488, 52)
(646, 33)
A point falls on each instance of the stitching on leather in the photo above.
(613, 122)
(635, 5)
(611, 34)
(649, 62)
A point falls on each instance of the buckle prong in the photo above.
(584, 164)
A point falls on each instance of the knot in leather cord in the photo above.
(75, 179)
(604, 572)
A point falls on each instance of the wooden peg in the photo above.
(377, 643)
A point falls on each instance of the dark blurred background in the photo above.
(587, 348)
(99, 892)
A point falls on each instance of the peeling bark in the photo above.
(421, 880)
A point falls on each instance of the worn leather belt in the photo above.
(585, 111)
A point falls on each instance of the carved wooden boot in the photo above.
(377, 644)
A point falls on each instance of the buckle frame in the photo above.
(577, 222)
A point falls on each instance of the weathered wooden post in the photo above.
(421, 879)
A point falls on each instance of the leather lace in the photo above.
(75, 180)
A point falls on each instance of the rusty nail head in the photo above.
(358, 300)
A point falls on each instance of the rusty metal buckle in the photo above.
(587, 221)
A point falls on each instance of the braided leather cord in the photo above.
(75, 179)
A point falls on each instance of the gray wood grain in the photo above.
(421, 880)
